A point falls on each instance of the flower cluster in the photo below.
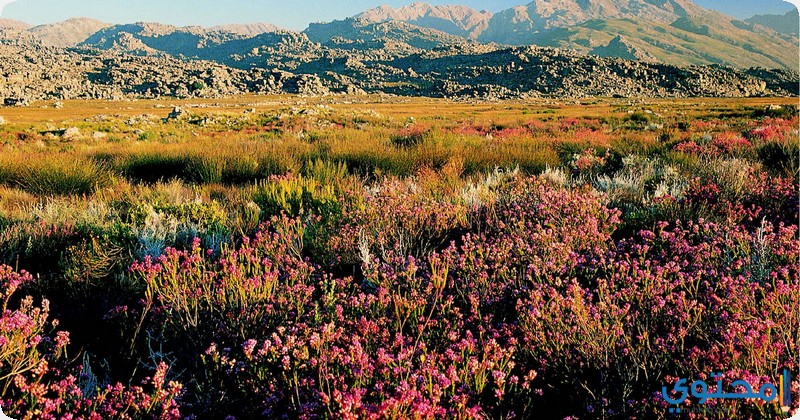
(541, 306)
(588, 161)
(37, 381)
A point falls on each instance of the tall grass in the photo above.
(55, 175)
(202, 164)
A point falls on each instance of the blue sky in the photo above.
(294, 14)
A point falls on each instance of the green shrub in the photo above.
(408, 139)
(295, 195)
(99, 253)
(785, 111)
(325, 172)
(211, 214)
(276, 163)
(147, 136)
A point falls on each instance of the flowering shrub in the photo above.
(36, 382)
(690, 147)
(774, 129)
(295, 195)
(195, 298)
(358, 366)
(761, 198)
(650, 307)
(659, 248)
(724, 143)
(395, 346)
(397, 219)
(588, 162)
(727, 143)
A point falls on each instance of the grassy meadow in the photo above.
(379, 257)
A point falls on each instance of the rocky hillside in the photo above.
(659, 48)
(319, 47)
(13, 24)
(455, 20)
(788, 24)
(68, 33)
(272, 49)
(37, 73)
(29, 73)
(687, 41)
(517, 24)
(668, 31)
(248, 30)
(676, 32)
(360, 34)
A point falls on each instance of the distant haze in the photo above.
(296, 14)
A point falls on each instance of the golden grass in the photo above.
(505, 111)
(241, 140)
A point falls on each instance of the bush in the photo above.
(781, 158)
(295, 195)
(38, 382)
(242, 169)
(205, 169)
(784, 111)
(158, 226)
(639, 117)
(280, 341)
(410, 137)
(397, 219)
(197, 86)
(153, 167)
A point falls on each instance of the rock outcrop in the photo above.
(622, 48)
(30, 73)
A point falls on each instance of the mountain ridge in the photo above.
(13, 24)
(788, 23)
(68, 33)
(453, 19)
(675, 32)
(704, 36)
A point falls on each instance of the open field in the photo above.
(381, 257)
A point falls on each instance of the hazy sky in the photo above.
(295, 14)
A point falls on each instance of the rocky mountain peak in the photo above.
(453, 19)
(546, 14)
(788, 24)
(13, 24)
(68, 33)
(248, 30)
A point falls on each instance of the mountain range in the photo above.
(671, 31)
(788, 23)
(675, 32)
(572, 48)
